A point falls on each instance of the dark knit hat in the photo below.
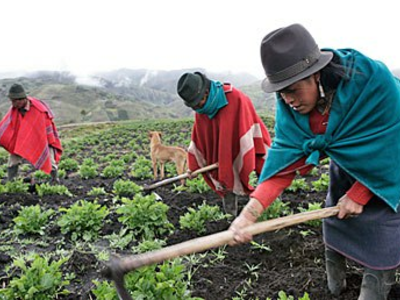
(192, 87)
(16, 92)
(288, 55)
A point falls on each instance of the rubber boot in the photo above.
(230, 203)
(335, 271)
(376, 284)
(54, 177)
(12, 172)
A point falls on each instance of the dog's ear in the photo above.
(160, 134)
(150, 134)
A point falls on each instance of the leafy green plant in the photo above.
(15, 187)
(88, 171)
(3, 173)
(41, 176)
(325, 161)
(148, 245)
(83, 219)
(126, 188)
(197, 185)
(145, 215)
(129, 157)
(68, 164)
(89, 162)
(298, 184)
(47, 189)
(165, 281)
(253, 179)
(260, 247)
(142, 168)
(38, 278)
(196, 219)
(312, 206)
(62, 173)
(113, 171)
(31, 219)
(277, 209)
(120, 240)
(283, 296)
(97, 191)
(322, 184)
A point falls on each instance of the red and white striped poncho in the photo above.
(31, 135)
(236, 138)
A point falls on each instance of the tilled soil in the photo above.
(295, 263)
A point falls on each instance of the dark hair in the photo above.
(333, 74)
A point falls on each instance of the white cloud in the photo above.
(87, 36)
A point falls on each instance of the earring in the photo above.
(321, 90)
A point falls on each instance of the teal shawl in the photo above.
(215, 101)
(363, 132)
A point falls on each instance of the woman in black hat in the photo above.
(226, 130)
(344, 105)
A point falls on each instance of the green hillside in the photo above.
(123, 95)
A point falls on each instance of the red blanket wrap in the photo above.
(29, 136)
(236, 138)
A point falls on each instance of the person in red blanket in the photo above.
(28, 132)
(226, 130)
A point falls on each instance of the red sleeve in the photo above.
(359, 193)
(267, 191)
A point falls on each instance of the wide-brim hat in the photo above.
(288, 55)
(192, 88)
(16, 91)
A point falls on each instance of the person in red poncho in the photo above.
(28, 132)
(226, 130)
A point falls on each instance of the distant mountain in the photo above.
(121, 94)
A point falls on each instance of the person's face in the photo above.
(202, 102)
(302, 96)
(18, 103)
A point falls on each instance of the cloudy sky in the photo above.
(84, 36)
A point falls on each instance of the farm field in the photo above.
(54, 240)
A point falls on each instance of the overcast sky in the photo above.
(84, 36)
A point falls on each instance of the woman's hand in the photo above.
(247, 217)
(189, 174)
(349, 208)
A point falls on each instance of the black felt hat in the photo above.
(192, 87)
(288, 55)
(16, 91)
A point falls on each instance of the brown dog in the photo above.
(162, 154)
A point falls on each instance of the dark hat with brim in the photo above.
(192, 87)
(288, 55)
(16, 91)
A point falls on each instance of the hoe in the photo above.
(118, 267)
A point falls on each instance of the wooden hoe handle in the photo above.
(182, 176)
(117, 268)
(218, 239)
